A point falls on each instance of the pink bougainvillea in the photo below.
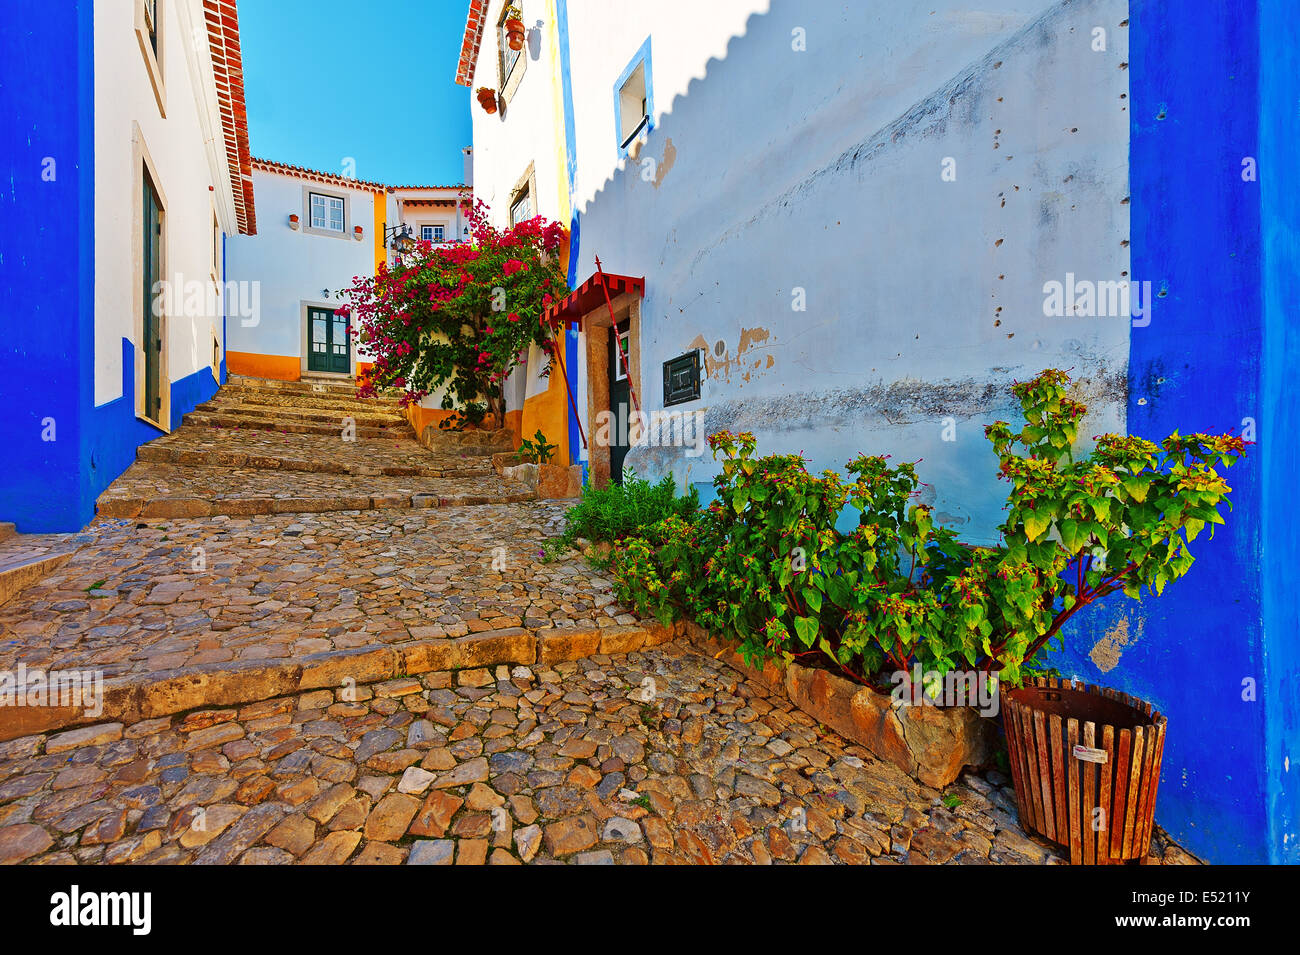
(431, 320)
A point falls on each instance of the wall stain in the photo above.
(1106, 652)
(721, 362)
(665, 164)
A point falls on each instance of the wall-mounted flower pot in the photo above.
(487, 98)
(515, 33)
(1085, 761)
(293, 221)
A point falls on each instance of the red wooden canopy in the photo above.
(590, 296)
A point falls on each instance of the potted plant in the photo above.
(487, 98)
(514, 28)
(1085, 760)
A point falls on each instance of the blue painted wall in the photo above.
(1212, 85)
(46, 260)
(1278, 458)
(47, 282)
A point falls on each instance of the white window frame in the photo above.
(329, 195)
(327, 206)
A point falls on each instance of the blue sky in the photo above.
(373, 80)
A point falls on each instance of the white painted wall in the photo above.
(529, 130)
(295, 266)
(189, 156)
(776, 169)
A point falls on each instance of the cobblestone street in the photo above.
(521, 764)
(662, 755)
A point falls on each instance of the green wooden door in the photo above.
(329, 341)
(152, 273)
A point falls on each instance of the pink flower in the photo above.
(512, 266)
(512, 317)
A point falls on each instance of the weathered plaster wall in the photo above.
(813, 179)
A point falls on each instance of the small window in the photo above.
(634, 99)
(682, 379)
(326, 212)
(151, 23)
(509, 57)
(622, 354)
(522, 207)
(432, 233)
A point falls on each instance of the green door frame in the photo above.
(151, 271)
(329, 344)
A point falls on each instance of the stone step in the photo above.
(161, 453)
(330, 386)
(22, 566)
(251, 397)
(181, 505)
(360, 418)
(263, 423)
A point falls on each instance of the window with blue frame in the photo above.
(634, 100)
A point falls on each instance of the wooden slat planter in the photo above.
(1059, 789)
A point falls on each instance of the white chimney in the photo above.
(469, 165)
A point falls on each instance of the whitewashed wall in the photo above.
(188, 154)
(295, 266)
(777, 170)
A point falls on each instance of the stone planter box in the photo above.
(558, 481)
(931, 743)
(466, 442)
(525, 474)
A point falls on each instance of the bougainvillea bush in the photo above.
(766, 564)
(460, 317)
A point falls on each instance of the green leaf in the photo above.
(813, 598)
(1036, 524)
(806, 629)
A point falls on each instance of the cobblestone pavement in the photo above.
(517, 765)
(152, 595)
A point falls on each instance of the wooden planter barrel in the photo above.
(1076, 748)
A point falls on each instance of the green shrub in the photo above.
(619, 510)
(766, 565)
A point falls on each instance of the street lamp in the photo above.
(399, 238)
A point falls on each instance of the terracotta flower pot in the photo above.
(1085, 761)
(487, 98)
(515, 33)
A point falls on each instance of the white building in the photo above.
(319, 230)
(126, 155)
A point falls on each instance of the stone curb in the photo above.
(161, 454)
(164, 693)
(929, 743)
(248, 506)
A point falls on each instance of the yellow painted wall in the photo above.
(280, 367)
(381, 216)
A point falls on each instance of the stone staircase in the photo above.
(27, 558)
(260, 446)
